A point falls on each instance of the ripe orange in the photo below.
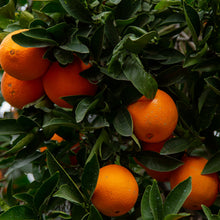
(19, 93)
(65, 81)
(55, 137)
(204, 187)
(116, 191)
(158, 175)
(24, 63)
(154, 120)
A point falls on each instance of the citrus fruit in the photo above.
(158, 175)
(116, 191)
(19, 93)
(154, 120)
(66, 81)
(24, 63)
(55, 137)
(204, 187)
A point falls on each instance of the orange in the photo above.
(24, 63)
(154, 120)
(55, 137)
(204, 187)
(19, 93)
(66, 81)
(116, 191)
(158, 175)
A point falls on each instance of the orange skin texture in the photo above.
(19, 93)
(154, 120)
(204, 187)
(116, 191)
(24, 63)
(66, 81)
(158, 175)
(55, 137)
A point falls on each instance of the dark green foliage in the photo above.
(135, 47)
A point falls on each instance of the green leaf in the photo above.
(10, 127)
(164, 4)
(193, 21)
(214, 83)
(143, 81)
(97, 43)
(37, 37)
(213, 164)
(155, 161)
(59, 214)
(156, 203)
(45, 191)
(75, 45)
(63, 57)
(103, 137)
(209, 214)
(19, 163)
(79, 211)
(83, 107)
(136, 44)
(94, 214)
(25, 197)
(8, 10)
(90, 176)
(66, 192)
(25, 140)
(20, 212)
(177, 197)
(176, 216)
(25, 19)
(146, 212)
(174, 145)
(76, 9)
(54, 166)
(122, 122)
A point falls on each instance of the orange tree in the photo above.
(124, 49)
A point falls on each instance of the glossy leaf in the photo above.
(76, 9)
(214, 84)
(155, 201)
(176, 216)
(94, 214)
(84, 106)
(143, 81)
(66, 192)
(213, 164)
(146, 212)
(20, 212)
(193, 21)
(174, 145)
(54, 166)
(34, 38)
(136, 44)
(90, 176)
(177, 197)
(123, 122)
(21, 162)
(45, 191)
(10, 127)
(158, 162)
